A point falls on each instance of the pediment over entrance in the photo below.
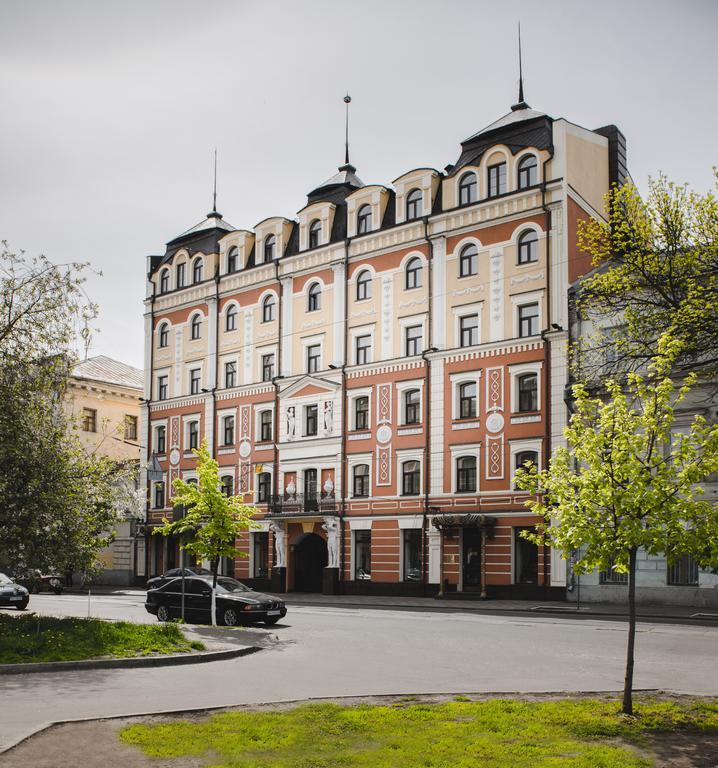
(308, 386)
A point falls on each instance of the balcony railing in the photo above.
(299, 503)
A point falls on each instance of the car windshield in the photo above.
(4, 579)
(230, 585)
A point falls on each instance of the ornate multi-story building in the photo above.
(372, 372)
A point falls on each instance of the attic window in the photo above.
(467, 189)
(364, 220)
(232, 260)
(528, 172)
(497, 179)
(413, 205)
(164, 281)
(315, 233)
(270, 243)
(197, 271)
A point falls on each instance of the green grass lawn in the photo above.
(43, 638)
(497, 733)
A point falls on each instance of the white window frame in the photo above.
(407, 322)
(238, 317)
(260, 307)
(353, 283)
(459, 451)
(156, 423)
(158, 375)
(352, 395)
(457, 379)
(401, 389)
(518, 370)
(464, 310)
(229, 359)
(269, 469)
(517, 446)
(186, 421)
(354, 460)
(258, 409)
(221, 416)
(362, 330)
(202, 319)
(402, 456)
(310, 341)
(269, 349)
(193, 366)
(522, 299)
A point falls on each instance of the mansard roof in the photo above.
(204, 236)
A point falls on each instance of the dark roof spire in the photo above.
(520, 104)
(347, 101)
(213, 214)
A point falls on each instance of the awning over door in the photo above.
(467, 520)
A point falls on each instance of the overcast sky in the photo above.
(110, 111)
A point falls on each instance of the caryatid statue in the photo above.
(279, 534)
(332, 528)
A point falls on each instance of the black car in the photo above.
(173, 573)
(13, 594)
(236, 603)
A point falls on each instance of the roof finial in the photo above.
(520, 104)
(213, 213)
(347, 101)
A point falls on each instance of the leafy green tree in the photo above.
(57, 503)
(657, 270)
(211, 521)
(628, 480)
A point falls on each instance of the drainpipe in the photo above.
(278, 375)
(148, 496)
(343, 452)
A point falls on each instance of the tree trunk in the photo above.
(627, 708)
(215, 566)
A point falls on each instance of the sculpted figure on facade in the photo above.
(328, 416)
(280, 535)
(291, 422)
(332, 529)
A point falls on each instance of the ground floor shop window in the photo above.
(362, 555)
(411, 553)
(261, 555)
(525, 558)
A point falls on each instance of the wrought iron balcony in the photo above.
(300, 503)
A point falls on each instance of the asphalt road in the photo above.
(327, 651)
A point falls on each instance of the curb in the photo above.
(350, 697)
(133, 662)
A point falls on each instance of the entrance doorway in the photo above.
(471, 559)
(310, 559)
(525, 558)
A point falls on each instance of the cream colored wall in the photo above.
(112, 405)
(306, 324)
(587, 165)
(374, 195)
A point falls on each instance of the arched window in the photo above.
(364, 220)
(410, 478)
(314, 297)
(468, 189)
(268, 308)
(180, 275)
(232, 260)
(528, 247)
(466, 474)
(230, 319)
(360, 478)
(528, 392)
(164, 335)
(413, 273)
(164, 281)
(315, 233)
(524, 458)
(197, 271)
(196, 327)
(497, 179)
(364, 285)
(227, 485)
(468, 260)
(413, 204)
(412, 406)
(528, 172)
(270, 243)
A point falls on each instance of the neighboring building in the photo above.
(103, 398)
(382, 363)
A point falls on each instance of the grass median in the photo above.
(33, 638)
(500, 733)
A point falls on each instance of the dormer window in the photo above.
(497, 179)
(270, 245)
(164, 281)
(232, 260)
(180, 275)
(364, 220)
(413, 205)
(468, 189)
(197, 271)
(315, 233)
(528, 172)
(314, 297)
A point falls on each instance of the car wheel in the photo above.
(273, 620)
(22, 606)
(56, 587)
(163, 613)
(230, 617)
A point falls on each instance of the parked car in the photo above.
(36, 581)
(236, 602)
(173, 573)
(13, 594)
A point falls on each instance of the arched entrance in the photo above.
(310, 559)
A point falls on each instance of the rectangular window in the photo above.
(230, 375)
(612, 576)
(361, 413)
(267, 367)
(497, 179)
(228, 431)
(467, 400)
(193, 435)
(310, 420)
(162, 387)
(362, 555)
(412, 406)
(159, 499)
(360, 485)
(89, 420)
(414, 337)
(195, 380)
(410, 478)
(180, 275)
(683, 572)
(468, 330)
(363, 349)
(160, 439)
(130, 427)
(265, 426)
(529, 320)
(260, 550)
(313, 355)
(264, 484)
(411, 545)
